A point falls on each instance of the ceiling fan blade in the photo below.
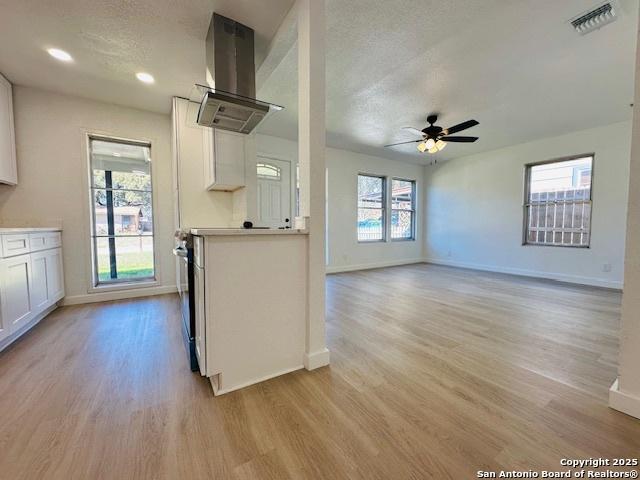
(403, 143)
(459, 139)
(461, 126)
(415, 131)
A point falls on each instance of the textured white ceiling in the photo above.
(515, 66)
(111, 40)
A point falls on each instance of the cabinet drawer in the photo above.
(16, 244)
(44, 241)
(37, 241)
(52, 239)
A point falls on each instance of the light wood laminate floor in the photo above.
(436, 373)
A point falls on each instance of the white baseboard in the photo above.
(560, 277)
(317, 359)
(369, 266)
(221, 391)
(118, 295)
(623, 402)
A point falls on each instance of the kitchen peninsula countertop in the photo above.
(246, 231)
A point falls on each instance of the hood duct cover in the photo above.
(228, 101)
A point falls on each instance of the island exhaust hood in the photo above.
(228, 101)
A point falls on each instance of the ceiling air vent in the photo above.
(594, 19)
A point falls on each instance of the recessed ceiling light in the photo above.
(116, 154)
(145, 77)
(60, 54)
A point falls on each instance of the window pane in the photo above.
(402, 194)
(132, 213)
(130, 165)
(268, 170)
(559, 197)
(370, 224)
(401, 224)
(98, 179)
(370, 192)
(133, 257)
(570, 177)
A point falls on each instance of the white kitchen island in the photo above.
(250, 293)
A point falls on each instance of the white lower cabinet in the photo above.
(15, 273)
(55, 277)
(30, 284)
(39, 274)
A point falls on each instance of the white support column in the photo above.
(311, 158)
(625, 392)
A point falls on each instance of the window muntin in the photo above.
(403, 198)
(371, 208)
(558, 202)
(122, 211)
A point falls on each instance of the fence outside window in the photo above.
(558, 202)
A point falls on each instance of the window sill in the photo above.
(560, 246)
(114, 287)
(403, 239)
(372, 241)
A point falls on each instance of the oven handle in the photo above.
(180, 252)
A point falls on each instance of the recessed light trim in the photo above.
(60, 54)
(145, 77)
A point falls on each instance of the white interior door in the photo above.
(274, 193)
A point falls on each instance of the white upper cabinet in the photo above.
(219, 155)
(224, 160)
(8, 169)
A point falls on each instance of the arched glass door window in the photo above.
(268, 171)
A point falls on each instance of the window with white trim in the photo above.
(403, 209)
(122, 211)
(558, 202)
(371, 208)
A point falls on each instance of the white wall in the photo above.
(345, 253)
(53, 187)
(474, 215)
(625, 391)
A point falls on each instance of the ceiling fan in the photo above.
(434, 138)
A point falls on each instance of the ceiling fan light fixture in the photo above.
(434, 139)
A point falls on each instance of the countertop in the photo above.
(28, 229)
(246, 231)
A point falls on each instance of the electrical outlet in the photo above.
(448, 253)
(606, 267)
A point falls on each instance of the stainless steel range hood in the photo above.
(228, 101)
